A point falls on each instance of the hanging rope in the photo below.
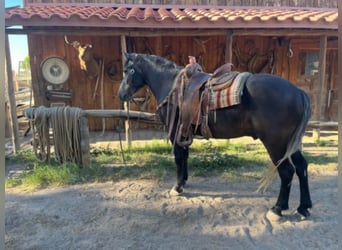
(41, 137)
(64, 122)
(66, 134)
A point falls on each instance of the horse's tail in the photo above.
(296, 140)
(294, 144)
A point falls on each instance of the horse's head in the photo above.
(151, 70)
(133, 79)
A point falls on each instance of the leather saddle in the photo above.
(191, 105)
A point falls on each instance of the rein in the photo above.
(173, 101)
(176, 83)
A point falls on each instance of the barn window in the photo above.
(309, 63)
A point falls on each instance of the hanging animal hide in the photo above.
(86, 57)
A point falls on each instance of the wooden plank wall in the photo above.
(83, 89)
(250, 53)
(291, 68)
(292, 3)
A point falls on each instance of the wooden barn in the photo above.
(75, 47)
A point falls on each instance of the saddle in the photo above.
(194, 102)
(190, 105)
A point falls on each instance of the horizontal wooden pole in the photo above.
(323, 125)
(103, 113)
(118, 113)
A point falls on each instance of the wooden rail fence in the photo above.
(84, 129)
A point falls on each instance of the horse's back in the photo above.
(275, 105)
(274, 94)
(272, 89)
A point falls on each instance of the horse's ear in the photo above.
(126, 55)
(130, 56)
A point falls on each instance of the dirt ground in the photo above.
(213, 213)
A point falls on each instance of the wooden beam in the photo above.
(11, 99)
(102, 113)
(84, 144)
(321, 84)
(119, 113)
(159, 46)
(322, 125)
(116, 32)
(229, 47)
(128, 131)
(173, 32)
(286, 33)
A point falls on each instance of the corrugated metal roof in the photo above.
(140, 16)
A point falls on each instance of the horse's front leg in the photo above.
(181, 158)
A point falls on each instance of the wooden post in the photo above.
(102, 95)
(11, 99)
(126, 107)
(321, 84)
(7, 119)
(159, 48)
(229, 47)
(85, 148)
(339, 87)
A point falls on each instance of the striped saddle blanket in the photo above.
(229, 95)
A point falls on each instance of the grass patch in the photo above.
(223, 156)
(46, 175)
(321, 159)
(322, 143)
(23, 156)
(153, 160)
(43, 174)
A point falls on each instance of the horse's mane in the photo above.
(163, 65)
(160, 62)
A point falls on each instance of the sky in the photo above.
(18, 43)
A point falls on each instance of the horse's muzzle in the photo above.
(123, 97)
(124, 93)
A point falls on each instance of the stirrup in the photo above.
(183, 143)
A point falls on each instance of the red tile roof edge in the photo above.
(136, 16)
(170, 6)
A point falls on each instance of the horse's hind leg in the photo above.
(286, 172)
(301, 171)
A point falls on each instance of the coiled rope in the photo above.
(64, 122)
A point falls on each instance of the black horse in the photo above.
(271, 109)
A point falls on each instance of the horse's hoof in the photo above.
(274, 214)
(277, 210)
(303, 212)
(273, 217)
(175, 191)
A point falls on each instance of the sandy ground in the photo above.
(213, 213)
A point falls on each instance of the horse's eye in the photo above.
(131, 71)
